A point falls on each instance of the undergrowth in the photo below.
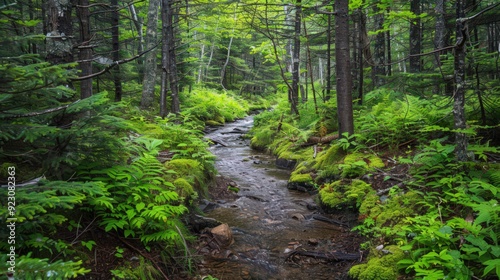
(441, 222)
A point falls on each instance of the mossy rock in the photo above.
(213, 123)
(343, 194)
(189, 169)
(300, 181)
(330, 157)
(381, 265)
(331, 195)
(185, 190)
(357, 164)
(396, 209)
(357, 192)
(369, 204)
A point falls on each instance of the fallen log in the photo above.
(217, 141)
(313, 140)
(329, 256)
(330, 221)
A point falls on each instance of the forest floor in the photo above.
(112, 252)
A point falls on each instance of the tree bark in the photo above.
(378, 69)
(343, 68)
(164, 59)
(85, 49)
(294, 100)
(172, 60)
(461, 140)
(415, 37)
(115, 41)
(149, 81)
(60, 29)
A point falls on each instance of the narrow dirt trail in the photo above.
(269, 221)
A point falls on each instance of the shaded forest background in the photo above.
(103, 106)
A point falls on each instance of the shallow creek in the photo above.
(268, 221)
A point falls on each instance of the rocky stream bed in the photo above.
(268, 231)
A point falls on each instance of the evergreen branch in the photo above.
(115, 63)
(34, 114)
(462, 20)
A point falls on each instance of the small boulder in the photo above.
(223, 235)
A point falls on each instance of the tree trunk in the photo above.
(461, 140)
(172, 59)
(149, 81)
(85, 49)
(328, 59)
(58, 40)
(378, 69)
(415, 37)
(164, 59)
(140, 45)
(310, 69)
(343, 68)
(294, 100)
(115, 41)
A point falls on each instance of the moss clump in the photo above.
(339, 194)
(357, 192)
(358, 164)
(331, 195)
(368, 204)
(213, 123)
(396, 209)
(185, 190)
(191, 170)
(383, 267)
(330, 158)
(300, 178)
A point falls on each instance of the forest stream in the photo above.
(268, 221)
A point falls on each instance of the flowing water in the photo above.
(268, 221)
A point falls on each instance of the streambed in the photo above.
(267, 220)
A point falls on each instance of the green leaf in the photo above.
(140, 206)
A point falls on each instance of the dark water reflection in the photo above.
(268, 219)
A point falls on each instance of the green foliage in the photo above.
(144, 204)
(381, 265)
(340, 194)
(393, 119)
(210, 105)
(30, 268)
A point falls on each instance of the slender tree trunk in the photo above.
(461, 140)
(115, 38)
(164, 59)
(343, 68)
(85, 49)
(439, 39)
(140, 38)
(415, 37)
(149, 81)
(294, 100)
(378, 69)
(172, 59)
(310, 68)
(328, 59)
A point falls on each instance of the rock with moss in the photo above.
(185, 190)
(301, 181)
(357, 164)
(190, 170)
(381, 265)
(331, 196)
(344, 194)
